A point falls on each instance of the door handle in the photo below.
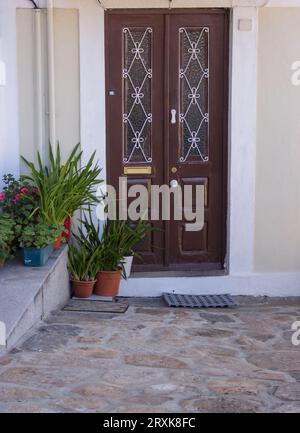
(173, 116)
(174, 183)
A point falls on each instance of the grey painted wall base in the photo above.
(28, 294)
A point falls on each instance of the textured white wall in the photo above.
(9, 137)
(67, 92)
(277, 234)
(66, 46)
(197, 3)
(242, 141)
(27, 85)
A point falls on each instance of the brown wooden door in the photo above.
(166, 82)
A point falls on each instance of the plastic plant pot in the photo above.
(127, 265)
(36, 257)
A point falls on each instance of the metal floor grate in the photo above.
(198, 301)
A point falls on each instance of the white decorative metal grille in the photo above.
(194, 88)
(137, 75)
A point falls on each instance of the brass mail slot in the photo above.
(138, 170)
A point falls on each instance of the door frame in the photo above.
(225, 162)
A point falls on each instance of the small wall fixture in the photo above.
(245, 25)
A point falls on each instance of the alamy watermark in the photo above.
(296, 335)
(156, 203)
(296, 73)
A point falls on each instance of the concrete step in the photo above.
(28, 294)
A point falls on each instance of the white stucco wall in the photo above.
(277, 223)
(67, 81)
(9, 132)
(27, 109)
(67, 77)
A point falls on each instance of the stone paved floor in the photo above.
(154, 359)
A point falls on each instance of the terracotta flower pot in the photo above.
(107, 283)
(57, 243)
(83, 289)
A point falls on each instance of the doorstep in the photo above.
(28, 294)
(96, 298)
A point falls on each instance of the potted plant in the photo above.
(133, 235)
(83, 267)
(110, 258)
(37, 242)
(64, 187)
(115, 242)
(109, 277)
(7, 235)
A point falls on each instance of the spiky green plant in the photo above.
(82, 265)
(64, 188)
(114, 241)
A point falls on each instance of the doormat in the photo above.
(96, 306)
(198, 301)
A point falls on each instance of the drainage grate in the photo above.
(198, 301)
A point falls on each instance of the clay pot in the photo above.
(57, 243)
(108, 283)
(83, 289)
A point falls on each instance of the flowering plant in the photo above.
(19, 200)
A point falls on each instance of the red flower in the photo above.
(17, 197)
(24, 190)
(2, 196)
(67, 223)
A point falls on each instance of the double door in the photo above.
(166, 86)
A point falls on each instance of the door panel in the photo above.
(135, 124)
(197, 60)
(166, 81)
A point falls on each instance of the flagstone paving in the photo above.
(158, 359)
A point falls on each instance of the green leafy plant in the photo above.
(64, 188)
(134, 234)
(7, 235)
(119, 239)
(112, 253)
(127, 235)
(82, 264)
(115, 240)
(39, 235)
